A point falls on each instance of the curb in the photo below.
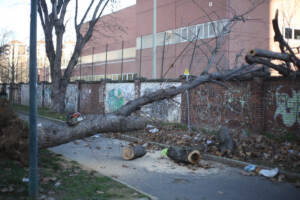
(223, 160)
(117, 180)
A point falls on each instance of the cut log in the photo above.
(184, 155)
(133, 152)
(269, 54)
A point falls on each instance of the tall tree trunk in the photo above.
(58, 92)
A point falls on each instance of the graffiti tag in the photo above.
(288, 107)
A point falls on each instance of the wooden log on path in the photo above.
(133, 152)
(184, 155)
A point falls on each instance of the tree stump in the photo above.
(133, 152)
(184, 155)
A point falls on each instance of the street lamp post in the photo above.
(33, 162)
(154, 41)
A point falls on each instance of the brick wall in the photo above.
(258, 106)
(270, 106)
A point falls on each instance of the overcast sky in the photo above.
(15, 16)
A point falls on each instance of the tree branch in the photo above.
(257, 60)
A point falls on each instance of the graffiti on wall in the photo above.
(117, 95)
(288, 107)
(115, 99)
(213, 105)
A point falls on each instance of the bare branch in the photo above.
(270, 54)
(85, 14)
(257, 60)
(282, 43)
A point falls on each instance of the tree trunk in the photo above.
(133, 152)
(184, 155)
(58, 93)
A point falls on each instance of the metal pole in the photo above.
(188, 105)
(105, 69)
(163, 57)
(154, 41)
(93, 63)
(122, 60)
(141, 51)
(33, 150)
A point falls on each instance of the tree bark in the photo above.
(270, 54)
(184, 155)
(133, 152)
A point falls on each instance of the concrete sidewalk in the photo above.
(166, 180)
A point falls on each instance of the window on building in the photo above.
(288, 33)
(212, 29)
(206, 30)
(124, 76)
(130, 76)
(114, 77)
(192, 33)
(176, 34)
(297, 34)
(200, 31)
(184, 34)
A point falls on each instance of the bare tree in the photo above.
(8, 59)
(287, 63)
(126, 118)
(52, 16)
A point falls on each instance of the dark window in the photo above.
(297, 34)
(288, 33)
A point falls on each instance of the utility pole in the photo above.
(33, 150)
(154, 41)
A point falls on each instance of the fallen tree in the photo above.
(285, 63)
(133, 152)
(126, 119)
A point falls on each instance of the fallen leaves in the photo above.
(253, 148)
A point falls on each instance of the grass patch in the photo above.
(41, 111)
(60, 179)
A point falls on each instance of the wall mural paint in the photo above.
(115, 99)
(118, 94)
(288, 107)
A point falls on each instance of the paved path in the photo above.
(166, 180)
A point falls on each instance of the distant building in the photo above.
(14, 61)
(121, 46)
(16, 58)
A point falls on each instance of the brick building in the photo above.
(121, 45)
(16, 58)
